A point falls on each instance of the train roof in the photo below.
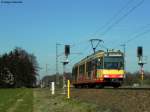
(99, 53)
(93, 55)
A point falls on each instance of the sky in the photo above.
(37, 25)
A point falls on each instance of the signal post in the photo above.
(141, 62)
(65, 62)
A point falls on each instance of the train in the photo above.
(100, 69)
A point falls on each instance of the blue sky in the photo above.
(36, 26)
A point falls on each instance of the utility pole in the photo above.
(63, 80)
(124, 51)
(65, 62)
(46, 69)
(57, 70)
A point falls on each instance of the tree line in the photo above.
(18, 68)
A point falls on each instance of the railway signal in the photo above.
(65, 62)
(67, 50)
(141, 61)
(66, 53)
(139, 51)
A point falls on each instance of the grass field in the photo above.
(45, 102)
(82, 100)
(16, 100)
(39, 100)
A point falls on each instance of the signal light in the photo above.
(139, 51)
(67, 50)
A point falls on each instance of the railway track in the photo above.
(129, 88)
(111, 88)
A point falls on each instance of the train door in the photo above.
(94, 68)
(75, 73)
(88, 69)
(100, 67)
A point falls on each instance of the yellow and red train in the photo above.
(100, 69)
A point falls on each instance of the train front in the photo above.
(112, 73)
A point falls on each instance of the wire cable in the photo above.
(85, 51)
(111, 23)
(123, 17)
(114, 16)
(136, 34)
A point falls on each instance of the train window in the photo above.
(113, 65)
(89, 66)
(82, 69)
(113, 59)
(114, 62)
(75, 71)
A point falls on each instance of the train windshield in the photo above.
(113, 63)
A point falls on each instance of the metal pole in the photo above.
(64, 67)
(125, 58)
(46, 69)
(63, 86)
(57, 71)
(141, 63)
(124, 50)
(142, 73)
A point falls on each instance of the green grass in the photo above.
(16, 100)
(45, 102)
(78, 106)
(21, 100)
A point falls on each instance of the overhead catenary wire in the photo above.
(84, 51)
(113, 17)
(102, 46)
(137, 34)
(123, 17)
(79, 43)
(112, 24)
(106, 24)
(87, 48)
(110, 21)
